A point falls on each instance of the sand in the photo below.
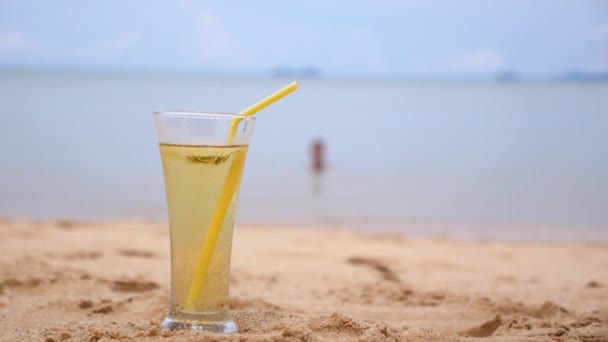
(106, 281)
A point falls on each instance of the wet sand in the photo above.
(106, 281)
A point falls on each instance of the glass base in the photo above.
(171, 323)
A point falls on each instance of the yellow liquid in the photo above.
(194, 180)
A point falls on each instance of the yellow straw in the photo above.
(230, 185)
(279, 94)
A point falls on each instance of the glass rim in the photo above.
(203, 114)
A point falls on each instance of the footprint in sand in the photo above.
(381, 267)
(85, 304)
(92, 255)
(136, 253)
(12, 282)
(133, 286)
(105, 306)
(66, 224)
(105, 309)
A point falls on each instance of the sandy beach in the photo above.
(106, 281)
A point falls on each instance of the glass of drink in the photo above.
(203, 155)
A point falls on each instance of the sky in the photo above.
(368, 38)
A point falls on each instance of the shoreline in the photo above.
(74, 280)
(536, 233)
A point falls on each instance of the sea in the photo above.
(465, 159)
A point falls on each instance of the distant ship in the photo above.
(306, 72)
(585, 76)
(507, 76)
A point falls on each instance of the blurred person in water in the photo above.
(317, 154)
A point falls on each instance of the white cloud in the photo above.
(599, 49)
(110, 47)
(16, 44)
(207, 42)
(213, 34)
(483, 60)
(356, 49)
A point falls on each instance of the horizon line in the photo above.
(499, 76)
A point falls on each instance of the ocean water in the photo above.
(472, 159)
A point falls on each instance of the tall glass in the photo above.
(202, 159)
